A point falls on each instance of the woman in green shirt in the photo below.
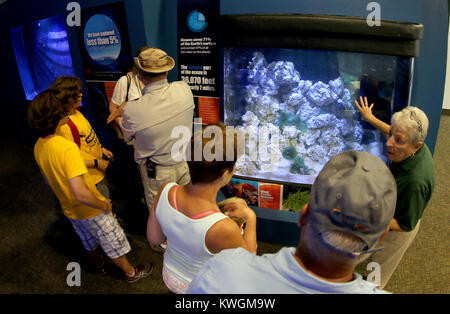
(411, 163)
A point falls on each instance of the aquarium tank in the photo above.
(296, 107)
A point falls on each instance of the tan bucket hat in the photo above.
(154, 60)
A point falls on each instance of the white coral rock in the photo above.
(336, 86)
(306, 111)
(321, 95)
(322, 120)
(291, 131)
(283, 72)
(317, 153)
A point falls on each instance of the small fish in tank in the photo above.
(301, 112)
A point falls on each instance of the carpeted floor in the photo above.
(37, 242)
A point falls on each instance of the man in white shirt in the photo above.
(351, 204)
(150, 119)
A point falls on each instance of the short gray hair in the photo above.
(414, 121)
(341, 241)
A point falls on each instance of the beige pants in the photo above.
(395, 245)
(178, 173)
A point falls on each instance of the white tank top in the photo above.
(186, 251)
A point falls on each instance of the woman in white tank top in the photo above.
(189, 219)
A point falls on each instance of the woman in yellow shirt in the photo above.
(60, 163)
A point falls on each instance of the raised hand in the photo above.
(365, 109)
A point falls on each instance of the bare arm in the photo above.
(395, 226)
(112, 107)
(155, 235)
(226, 234)
(83, 195)
(366, 112)
(102, 164)
(240, 209)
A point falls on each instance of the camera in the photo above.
(151, 169)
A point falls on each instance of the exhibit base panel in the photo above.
(274, 226)
(277, 227)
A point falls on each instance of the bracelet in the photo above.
(95, 163)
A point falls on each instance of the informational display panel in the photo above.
(103, 36)
(105, 52)
(198, 54)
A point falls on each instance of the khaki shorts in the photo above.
(395, 245)
(178, 173)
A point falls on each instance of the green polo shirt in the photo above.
(415, 184)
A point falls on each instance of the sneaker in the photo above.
(158, 248)
(142, 271)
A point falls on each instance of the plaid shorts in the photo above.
(103, 230)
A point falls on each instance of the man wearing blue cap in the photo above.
(351, 205)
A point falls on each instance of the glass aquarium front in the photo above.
(296, 106)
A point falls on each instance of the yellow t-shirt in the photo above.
(59, 161)
(90, 146)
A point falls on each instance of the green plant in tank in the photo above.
(283, 119)
(288, 118)
(289, 153)
(299, 167)
(294, 120)
(302, 126)
(297, 200)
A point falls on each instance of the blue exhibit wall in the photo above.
(154, 22)
(430, 66)
(150, 22)
(160, 22)
(15, 13)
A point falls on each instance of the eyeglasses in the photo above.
(414, 117)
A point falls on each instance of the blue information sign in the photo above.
(106, 53)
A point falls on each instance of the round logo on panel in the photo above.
(102, 39)
(196, 21)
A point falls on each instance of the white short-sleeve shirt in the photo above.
(120, 90)
(238, 271)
